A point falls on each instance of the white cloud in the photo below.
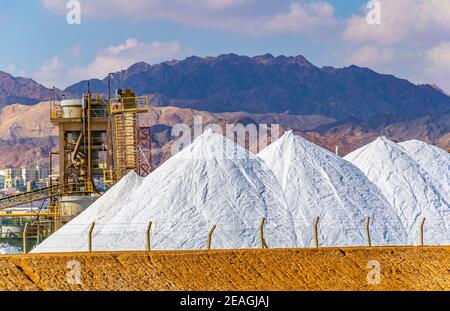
(14, 71)
(51, 73)
(407, 43)
(439, 58)
(438, 65)
(122, 56)
(403, 21)
(111, 59)
(372, 56)
(222, 4)
(136, 9)
(302, 18)
(244, 16)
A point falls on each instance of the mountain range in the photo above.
(268, 84)
(260, 84)
(330, 106)
(22, 90)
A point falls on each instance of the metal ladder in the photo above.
(126, 142)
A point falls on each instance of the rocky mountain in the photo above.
(348, 107)
(268, 84)
(25, 131)
(26, 134)
(22, 90)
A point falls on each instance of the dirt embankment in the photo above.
(401, 268)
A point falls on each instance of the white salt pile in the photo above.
(434, 160)
(216, 182)
(408, 187)
(211, 182)
(316, 183)
(6, 249)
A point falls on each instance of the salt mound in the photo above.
(408, 187)
(434, 160)
(316, 183)
(6, 249)
(212, 181)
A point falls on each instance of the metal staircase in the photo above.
(125, 110)
(126, 142)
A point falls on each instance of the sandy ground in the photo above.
(401, 268)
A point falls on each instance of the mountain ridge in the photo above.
(25, 130)
(259, 84)
(269, 84)
(22, 90)
(330, 106)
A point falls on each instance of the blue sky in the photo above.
(412, 41)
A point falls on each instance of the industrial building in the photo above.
(100, 141)
(24, 178)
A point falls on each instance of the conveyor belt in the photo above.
(45, 193)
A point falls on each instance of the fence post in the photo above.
(90, 236)
(316, 239)
(368, 232)
(149, 227)
(211, 231)
(262, 241)
(24, 238)
(421, 231)
(38, 235)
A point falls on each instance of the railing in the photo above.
(260, 233)
(110, 177)
(56, 111)
(99, 110)
(129, 104)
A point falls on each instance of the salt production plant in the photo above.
(215, 194)
(100, 141)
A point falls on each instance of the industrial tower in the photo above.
(100, 141)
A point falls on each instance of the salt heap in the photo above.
(316, 183)
(212, 181)
(434, 160)
(409, 188)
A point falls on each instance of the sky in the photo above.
(407, 38)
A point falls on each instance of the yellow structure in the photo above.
(8, 179)
(125, 109)
(98, 144)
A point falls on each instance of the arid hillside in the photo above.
(22, 90)
(401, 268)
(26, 132)
(268, 84)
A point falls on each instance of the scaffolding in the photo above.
(144, 157)
(98, 140)
(127, 134)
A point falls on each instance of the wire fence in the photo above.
(202, 235)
